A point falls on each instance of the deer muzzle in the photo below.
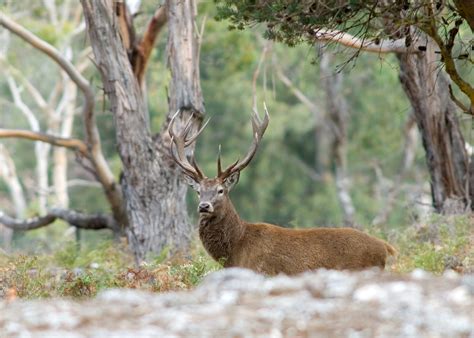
(205, 207)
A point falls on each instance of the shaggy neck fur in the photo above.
(221, 231)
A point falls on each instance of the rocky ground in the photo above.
(240, 303)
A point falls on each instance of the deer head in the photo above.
(213, 192)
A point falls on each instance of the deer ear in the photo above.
(191, 182)
(231, 180)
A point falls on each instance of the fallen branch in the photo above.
(79, 220)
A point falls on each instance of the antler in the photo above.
(259, 128)
(180, 142)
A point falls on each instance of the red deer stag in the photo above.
(263, 247)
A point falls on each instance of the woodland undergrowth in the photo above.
(436, 245)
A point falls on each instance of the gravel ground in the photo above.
(240, 303)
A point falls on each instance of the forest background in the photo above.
(297, 178)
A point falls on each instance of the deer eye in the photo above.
(220, 191)
(199, 194)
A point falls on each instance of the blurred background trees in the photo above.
(417, 32)
(342, 145)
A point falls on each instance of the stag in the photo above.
(263, 247)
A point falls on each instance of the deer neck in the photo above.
(221, 232)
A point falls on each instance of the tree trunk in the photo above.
(42, 157)
(41, 149)
(153, 191)
(428, 91)
(60, 163)
(8, 172)
(337, 118)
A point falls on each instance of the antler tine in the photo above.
(196, 167)
(219, 165)
(171, 125)
(187, 126)
(178, 145)
(194, 137)
(258, 126)
(190, 171)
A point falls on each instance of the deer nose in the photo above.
(205, 207)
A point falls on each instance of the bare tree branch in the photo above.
(104, 174)
(200, 34)
(446, 52)
(379, 46)
(124, 23)
(461, 105)
(18, 101)
(266, 49)
(41, 149)
(79, 220)
(145, 45)
(71, 143)
(93, 137)
(35, 94)
(52, 52)
(28, 224)
(297, 92)
(82, 183)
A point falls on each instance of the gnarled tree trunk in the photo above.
(154, 193)
(428, 91)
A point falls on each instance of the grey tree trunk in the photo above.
(428, 91)
(8, 174)
(337, 120)
(154, 193)
(63, 129)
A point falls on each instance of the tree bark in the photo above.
(153, 191)
(427, 89)
(466, 10)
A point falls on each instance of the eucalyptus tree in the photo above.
(147, 203)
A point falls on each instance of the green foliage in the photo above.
(192, 273)
(276, 187)
(293, 22)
